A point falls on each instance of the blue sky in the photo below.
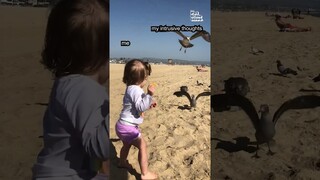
(131, 20)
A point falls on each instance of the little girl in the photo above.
(135, 102)
(76, 122)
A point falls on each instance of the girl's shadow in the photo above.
(119, 173)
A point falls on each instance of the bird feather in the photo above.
(300, 102)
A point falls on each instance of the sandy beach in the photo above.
(24, 90)
(178, 139)
(297, 132)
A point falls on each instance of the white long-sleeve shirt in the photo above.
(135, 101)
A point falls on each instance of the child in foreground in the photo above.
(76, 121)
(135, 102)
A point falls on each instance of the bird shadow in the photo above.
(242, 144)
(278, 74)
(184, 107)
(39, 104)
(309, 90)
(221, 108)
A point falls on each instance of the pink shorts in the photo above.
(127, 133)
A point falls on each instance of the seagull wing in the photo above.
(197, 34)
(205, 35)
(219, 101)
(203, 94)
(183, 93)
(300, 102)
(180, 34)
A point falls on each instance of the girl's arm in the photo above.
(90, 118)
(141, 100)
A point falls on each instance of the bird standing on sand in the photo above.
(283, 70)
(185, 42)
(192, 99)
(256, 51)
(265, 125)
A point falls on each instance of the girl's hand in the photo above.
(151, 89)
(153, 104)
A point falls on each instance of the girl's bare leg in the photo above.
(124, 155)
(143, 159)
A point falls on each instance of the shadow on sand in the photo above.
(119, 173)
(278, 74)
(242, 144)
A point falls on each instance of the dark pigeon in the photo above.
(283, 70)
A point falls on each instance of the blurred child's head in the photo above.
(136, 72)
(77, 37)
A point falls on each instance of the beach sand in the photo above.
(297, 132)
(178, 140)
(24, 90)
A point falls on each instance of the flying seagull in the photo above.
(185, 42)
(192, 99)
(283, 70)
(265, 125)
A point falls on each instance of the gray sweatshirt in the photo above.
(75, 129)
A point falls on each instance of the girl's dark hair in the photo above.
(77, 37)
(136, 71)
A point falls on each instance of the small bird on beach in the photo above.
(283, 70)
(256, 51)
(265, 125)
(192, 99)
(316, 79)
(236, 85)
(185, 42)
